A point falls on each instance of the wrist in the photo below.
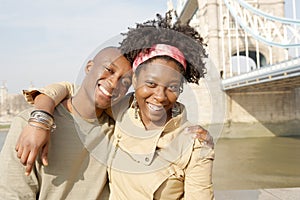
(42, 119)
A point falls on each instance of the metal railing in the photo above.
(286, 69)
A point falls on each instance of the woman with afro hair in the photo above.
(151, 157)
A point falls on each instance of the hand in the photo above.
(202, 135)
(30, 142)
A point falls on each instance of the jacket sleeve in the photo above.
(14, 184)
(198, 173)
(57, 92)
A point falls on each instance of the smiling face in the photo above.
(110, 76)
(157, 87)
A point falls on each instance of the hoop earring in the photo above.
(180, 89)
(136, 109)
(175, 110)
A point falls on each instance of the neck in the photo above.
(83, 107)
(150, 125)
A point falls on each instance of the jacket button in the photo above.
(147, 159)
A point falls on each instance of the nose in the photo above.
(160, 94)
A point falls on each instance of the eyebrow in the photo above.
(158, 80)
(114, 65)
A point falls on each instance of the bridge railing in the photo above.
(283, 70)
(273, 39)
(251, 39)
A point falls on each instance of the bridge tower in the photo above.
(255, 50)
(229, 45)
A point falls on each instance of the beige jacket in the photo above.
(158, 164)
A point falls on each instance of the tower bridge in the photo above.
(280, 76)
(255, 46)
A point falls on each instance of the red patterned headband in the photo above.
(160, 50)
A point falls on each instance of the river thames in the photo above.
(2, 138)
(253, 163)
(257, 163)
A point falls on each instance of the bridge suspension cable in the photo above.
(272, 30)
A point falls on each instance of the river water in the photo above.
(253, 163)
(256, 163)
(2, 138)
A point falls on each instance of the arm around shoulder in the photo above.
(56, 91)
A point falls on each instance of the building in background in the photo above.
(10, 104)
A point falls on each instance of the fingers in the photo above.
(194, 128)
(44, 155)
(210, 140)
(20, 151)
(198, 131)
(201, 134)
(24, 156)
(17, 146)
(28, 169)
(28, 156)
(18, 143)
(30, 161)
(29, 143)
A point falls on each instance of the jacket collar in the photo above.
(140, 143)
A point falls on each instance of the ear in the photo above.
(89, 66)
(134, 81)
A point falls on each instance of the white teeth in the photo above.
(104, 91)
(154, 107)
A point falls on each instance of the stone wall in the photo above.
(245, 114)
(268, 113)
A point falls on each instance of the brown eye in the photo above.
(109, 70)
(150, 84)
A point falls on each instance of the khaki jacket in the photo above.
(164, 164)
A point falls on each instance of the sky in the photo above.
(46, 41)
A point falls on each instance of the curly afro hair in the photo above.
(162, 31)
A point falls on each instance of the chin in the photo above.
(158, 120)
(102, 105)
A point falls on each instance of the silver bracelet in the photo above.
(42, 114)
(44, 124)
(42, 117)
(37, 126)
